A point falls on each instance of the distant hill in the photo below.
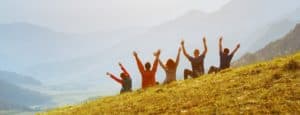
(17, 79)
(13, 97)
(23, 45)
(270, 33)
(286, 45)
(5, 105)
(263, 88)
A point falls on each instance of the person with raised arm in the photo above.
(170, 68)
(148, 73)
(125, 80)
(225, 57)
(197, 61)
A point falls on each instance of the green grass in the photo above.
(266, 88)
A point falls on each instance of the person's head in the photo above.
(123, 75)
(196, 52)
(148, 66)
(226, 51)
(170, 63)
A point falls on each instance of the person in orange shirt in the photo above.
(125, 81)
(147, 73)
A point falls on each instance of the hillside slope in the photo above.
(288, 44)
(269, 88)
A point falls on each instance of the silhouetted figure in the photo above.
(125, 81)
(225, 57)
(148, 74)
(197, 61)
(170, 68)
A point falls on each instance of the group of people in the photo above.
(148, 71)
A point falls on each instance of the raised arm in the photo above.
(139, 63)
(205, 46)
(236, 49)
(123, 69)
(220, 44)
(162, 64)
(184, 51)
(115, 78)
(156, 61)
(178, 56)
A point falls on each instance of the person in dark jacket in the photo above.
(125, 80)
(225, 57)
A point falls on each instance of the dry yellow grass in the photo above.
(266, 88)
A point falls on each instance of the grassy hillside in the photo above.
(267, 88)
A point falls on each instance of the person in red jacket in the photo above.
(147, 73)
(125, 81)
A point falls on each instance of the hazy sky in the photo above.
(82, 16)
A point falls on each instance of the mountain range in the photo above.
(12, 95)
(16, 94)
(288, 44)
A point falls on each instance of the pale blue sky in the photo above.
(82, 16)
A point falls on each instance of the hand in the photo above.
(135, 54)
(182, 42)
(221, 38)
(179, 49)
(107, 73)
(204, 39)
(156, 53)
(120, 64)
(238, 46)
